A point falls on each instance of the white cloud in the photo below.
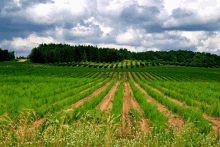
(28, 43)
(131, 36)
(104, 28)
(153, 49)
(101, 22)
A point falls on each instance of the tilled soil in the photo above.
(213, 120)
(106, 102)
(143, 78)
(22, 60)
(128, 103)
(176, 121)
(97, 92)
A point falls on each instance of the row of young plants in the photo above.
(34, 96)
(196, 100)
(72, 97)
(118, 100)
(188, 114)
(108, 65)
(90, 104)
(74, 89)
(24, 91)
(158, 120)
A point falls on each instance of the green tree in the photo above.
(84, 57)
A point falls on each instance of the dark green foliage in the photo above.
(111, 66)
(116, 66)
(6, 56)
(65, 53)
(136, 64)
(132, 66)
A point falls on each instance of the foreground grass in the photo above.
(90, 132)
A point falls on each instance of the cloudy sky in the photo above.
(138, 25)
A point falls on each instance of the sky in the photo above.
(137, 25)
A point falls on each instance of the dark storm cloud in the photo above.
(9, 29)
(181, 13)
(131, 14)
(214, 26)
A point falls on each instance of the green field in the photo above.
(94, 105)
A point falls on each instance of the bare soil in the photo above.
(106, 102)
(37, 122)
(175, 120)
(128, 103)
(135, 76)
(22, 60)
(97, 92)
(92, 86)
(213, 120)
(142, 78)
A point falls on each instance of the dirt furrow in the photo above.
(194, 100)
(143, 78)
(126, 119)
(97, 92)
(135, 76)
(92, 86)
(38, 122)
(128, 103)
(106, 102)
(176, 121)
(214, 120)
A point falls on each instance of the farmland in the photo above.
(56, 105)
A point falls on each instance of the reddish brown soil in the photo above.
(171, 99)
(150, 75)
(145, 77)
(128, 103)
(175, 120)
(135, 76)
(106, 102)
(97, 92)
(37, 122)
(92, 86)
(213, 120)
(22, 60)
(142, 78)
(125, 128)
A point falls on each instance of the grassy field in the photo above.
(51, 105)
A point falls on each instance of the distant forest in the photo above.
(51, 53)
(6, 56)
(59, 53)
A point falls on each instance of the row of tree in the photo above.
(51, 53)
(5, 55)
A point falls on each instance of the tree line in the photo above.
(52, 53)
(5, 55)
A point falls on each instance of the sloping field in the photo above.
(105, 107)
